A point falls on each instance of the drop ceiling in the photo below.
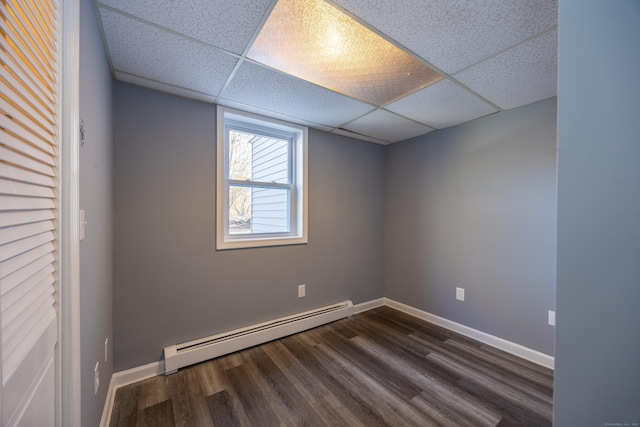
(494, 55)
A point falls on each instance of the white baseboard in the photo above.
(130, 376)
(105, 420)
(499, 343)
(364, 306)
(123, 378)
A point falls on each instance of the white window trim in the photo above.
(299, 232)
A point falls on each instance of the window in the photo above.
(261, 181)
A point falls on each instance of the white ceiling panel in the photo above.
(387, 126)
(270, 90)
(350, 134)
(272, 114)
(453, 34)
(146, 51)
(227, 24)
(441, 105)
(491, 52)
(519, 76)
(162, 87)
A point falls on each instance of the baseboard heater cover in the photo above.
(192, 352)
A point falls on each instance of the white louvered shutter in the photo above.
(28, 150)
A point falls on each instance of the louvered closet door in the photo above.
(28, 149)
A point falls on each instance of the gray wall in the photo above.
(96, 266)
(171, 285)
(473, 206)
(598, 337)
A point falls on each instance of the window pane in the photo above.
(270, 160)
(239, 210)
(258, 210)
(254, 157)
(240, 155)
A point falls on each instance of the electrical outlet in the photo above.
(96, 378)
(301, 291)
(551, 318)
(460, 294)
(106, 350)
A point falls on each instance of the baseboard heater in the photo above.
(189, 353)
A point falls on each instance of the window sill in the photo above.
(260, 243)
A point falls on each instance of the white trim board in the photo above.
(369, 305)
(140, 373)
(105, 420)
(499, 343)
(123, 378)
(68, 375)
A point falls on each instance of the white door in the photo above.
(29, 144)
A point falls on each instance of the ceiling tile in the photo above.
(314, 41)
(270, 90)
(519, 76)
(441, 105)
(350, 134)
(227, 24)
(272, 114)
(162, 87)
(140, 49)
(387, 126)
(453, 34)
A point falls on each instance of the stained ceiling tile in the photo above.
(146, 51)
(519, 76)
(227, 24)
(453, 34)
(441, 105)
(387, 126)
(270, 90)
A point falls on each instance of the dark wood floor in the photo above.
(377, 368)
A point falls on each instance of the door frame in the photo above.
(68, 373)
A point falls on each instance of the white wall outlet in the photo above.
(106, 350)
(96, 378)
(552, 318)
(301, 291)
(460, 294)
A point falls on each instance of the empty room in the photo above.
(320, 212)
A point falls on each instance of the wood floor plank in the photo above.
(255, 403)
(125, 407)
(357, 403)
(153, 391)
(534, 379)
(505, 391)
(158, 415)
(211, 377)
(301, 412)
(325, 403)
(388, 407)
(444, 395)
(225, 411)
(189, 404)
(481, 368)
(517, 413)
(406, 349)
(377, 368)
